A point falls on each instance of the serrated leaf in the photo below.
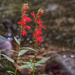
(16, 40)
(1, 65)
(27, 48)
(9, 50)
(3, 38)
(43, 60)
(24, 66)
(8, 58)
(10, 72)
(22, 52)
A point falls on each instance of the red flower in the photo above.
(41, 13)
(42, 27)
(27, 7)
(24, 32)
(39, 21)
(28, 27)
(39, 39)
(24, 20)
(33, 15)
(37, 34)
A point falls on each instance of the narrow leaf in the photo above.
(30, 66)
(3, 38)
(43, 60)
(9, 50)
(22, 52)
(1, 65)
(28, 48)
(16, 40)
(8, 58)
(36, 64)
(23, 61)
(10, 72)
(24, 66)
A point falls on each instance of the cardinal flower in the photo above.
(24, 20)
(37, 34)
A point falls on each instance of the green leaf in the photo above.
(43, 60)
(9, 50)
(8, 58)
(22, 52)
(36, 64)
(10, 72)
(30, 66)
(3, 38)
(16, 40)
(23, 61)
(27, 48)
(24, 66)
(1, 65)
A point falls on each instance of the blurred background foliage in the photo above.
(59, 36)
(59, 19)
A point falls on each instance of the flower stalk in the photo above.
(18, 51)
(37, 34)
(23, 26)
(35, 54)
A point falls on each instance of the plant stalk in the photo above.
(35, 54)
(18, 51)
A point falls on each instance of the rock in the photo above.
(5, 45)
(61, 66)
(51, 7)
(2, 8)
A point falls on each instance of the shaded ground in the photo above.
(45, 50)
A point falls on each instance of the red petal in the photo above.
(39, 21)
(33, 15)
(28, 27)
(24, 33)
(42, 27)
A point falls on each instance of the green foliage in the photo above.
(9, 50)
(23, 61)
(24, 66)
(8, 58)
(22, 52)
(43, 60)
(16, 40)
(28, 48)
(36, 64)
(1, 65)
(27, 64)
(3, 38)
(31, 64)
(10, 72)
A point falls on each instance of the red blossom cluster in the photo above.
(24, 20)
(37, 34)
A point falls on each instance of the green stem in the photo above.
(35, 54)
(18, 52)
